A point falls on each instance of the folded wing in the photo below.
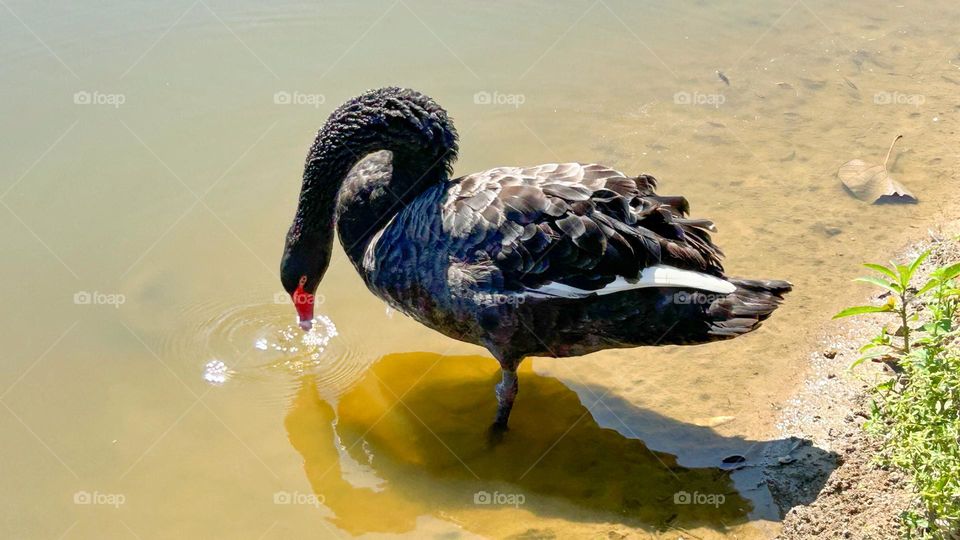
(573, 230)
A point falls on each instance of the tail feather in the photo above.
(742, 310)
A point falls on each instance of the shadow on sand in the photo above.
(409, 440)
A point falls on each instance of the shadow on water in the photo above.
(409, 440)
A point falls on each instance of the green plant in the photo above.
(901, 295)
(916, 413)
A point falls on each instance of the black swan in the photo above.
(561, 259)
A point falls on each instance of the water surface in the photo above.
(150, 166)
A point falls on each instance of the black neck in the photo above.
(413, 128)
(377, 189)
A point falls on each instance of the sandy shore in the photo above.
(858, 499)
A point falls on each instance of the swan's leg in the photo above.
(506, 393)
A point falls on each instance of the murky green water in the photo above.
(149, 167)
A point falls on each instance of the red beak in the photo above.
(303, 301)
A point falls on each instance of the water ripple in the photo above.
(261, 341)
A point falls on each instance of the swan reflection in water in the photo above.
(409, 440)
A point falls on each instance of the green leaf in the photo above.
(941, 276)
(930, 284)
(892, 287)
(916, 262)
(866, 357)
(858, 361)
(905, 275)
(950, 272)
(883, 270)
(860, 310)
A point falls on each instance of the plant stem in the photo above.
(890, 150)
(903, 321)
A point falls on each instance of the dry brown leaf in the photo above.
(873, 183)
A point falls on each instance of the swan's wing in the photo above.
(572, 230)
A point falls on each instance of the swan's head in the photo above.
(304, 262)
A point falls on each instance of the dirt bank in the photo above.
(859, 499)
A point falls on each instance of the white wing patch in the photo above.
(653, 276)
(370, 255)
